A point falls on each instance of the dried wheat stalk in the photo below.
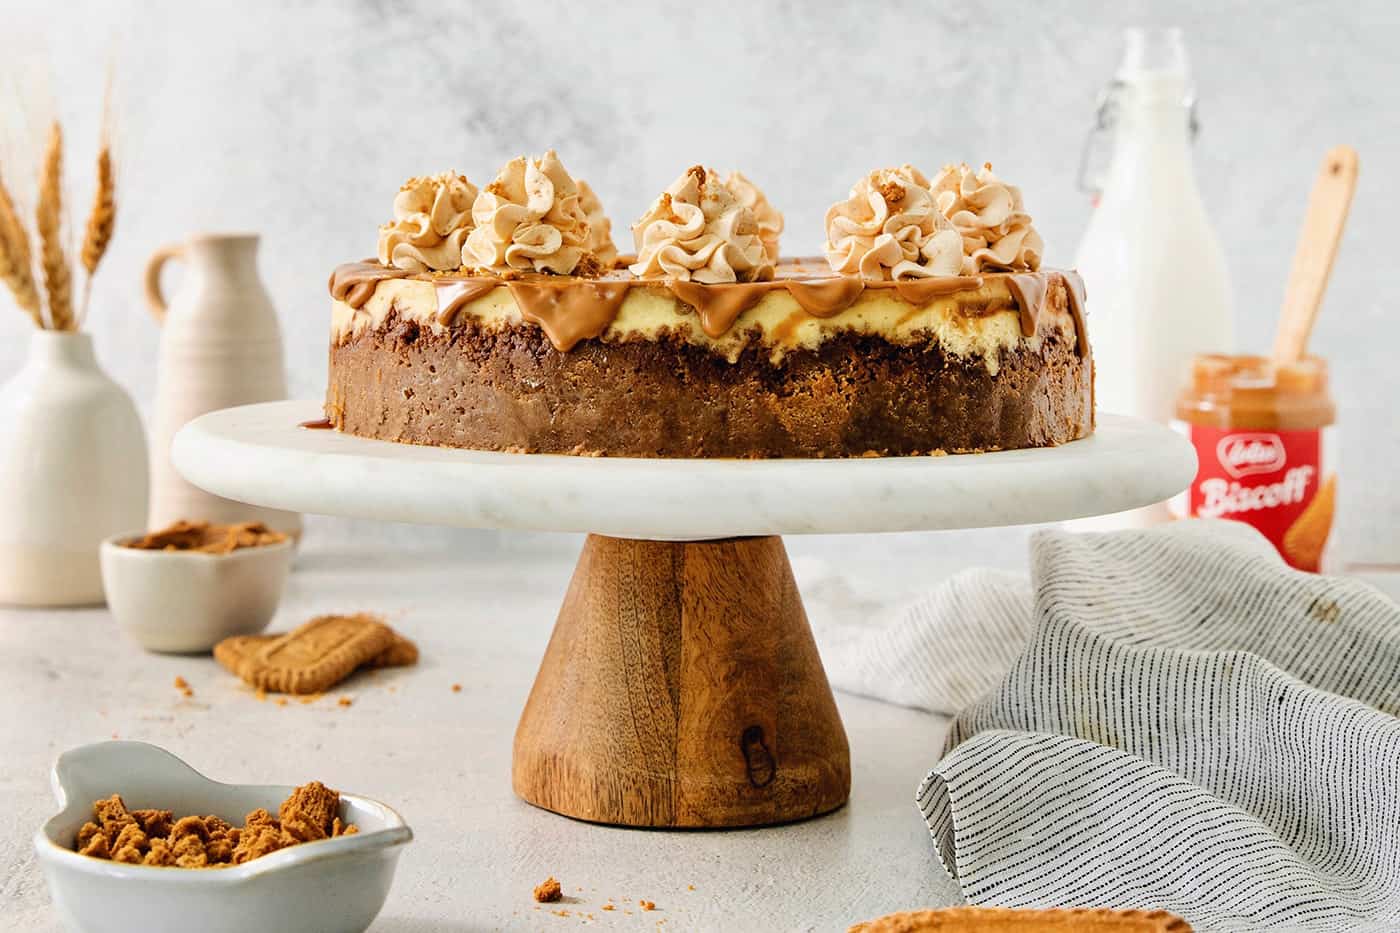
(103, 218)
(58, 278)
(16, 261)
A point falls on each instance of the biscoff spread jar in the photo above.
(1263, 435)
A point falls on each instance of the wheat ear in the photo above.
(102, 219)
(58, 278)
(16, 261)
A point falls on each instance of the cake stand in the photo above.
(681, 686)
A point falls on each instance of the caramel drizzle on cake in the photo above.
(572, 309)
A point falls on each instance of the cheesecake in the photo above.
(503, 319)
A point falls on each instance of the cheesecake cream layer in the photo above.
(969, 317)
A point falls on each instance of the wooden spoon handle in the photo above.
(1317, 248)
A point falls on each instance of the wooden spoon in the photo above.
(1317, 248)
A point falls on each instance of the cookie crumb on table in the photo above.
(345, 701)
(647, 905)
(456, 688)
(548, 891)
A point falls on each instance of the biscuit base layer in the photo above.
(507, 388)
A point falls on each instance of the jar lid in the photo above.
(1219, 374)
(1245, 388)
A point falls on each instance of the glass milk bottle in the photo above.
(1151, 262)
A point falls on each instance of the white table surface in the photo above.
(443, 760)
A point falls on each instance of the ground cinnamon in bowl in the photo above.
(154, 837)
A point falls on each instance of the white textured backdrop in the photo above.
(299, 120)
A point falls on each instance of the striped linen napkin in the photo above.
(1168, 719)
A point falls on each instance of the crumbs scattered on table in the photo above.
(345, 701)
(647, 905)
(548, 891)
(183, 686)
(457, 688)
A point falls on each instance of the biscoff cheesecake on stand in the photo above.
(502, 319)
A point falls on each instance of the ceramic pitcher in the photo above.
(72, 472)
(220, 346)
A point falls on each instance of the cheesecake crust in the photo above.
(507, 388)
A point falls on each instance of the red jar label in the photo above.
(1281, 482)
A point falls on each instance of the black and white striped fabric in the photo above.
(1183, 723)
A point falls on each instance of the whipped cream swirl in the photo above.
(699, 231)
(599, 242)
(432, 219)
(529, 219)
(768, 217)
(990, 217)
(891, 228)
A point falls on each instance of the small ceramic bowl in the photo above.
(185, 601)
(317, 887)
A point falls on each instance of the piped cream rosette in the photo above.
(432, 218)
(699, 231)
(530, 218)
(891, 228)
(989, 215)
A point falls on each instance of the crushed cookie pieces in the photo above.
(647, 905)
(154, 837)
(548, 891)
(892, 191)
(345, 701)
(588, 267)
(207, 538)
(456, 688)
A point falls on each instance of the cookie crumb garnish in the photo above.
(548, 891)
(892, 192)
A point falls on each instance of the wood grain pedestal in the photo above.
(682, 688)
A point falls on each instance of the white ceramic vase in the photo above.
(220, 346)
(72, 472)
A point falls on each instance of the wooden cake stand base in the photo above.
(682, 688)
